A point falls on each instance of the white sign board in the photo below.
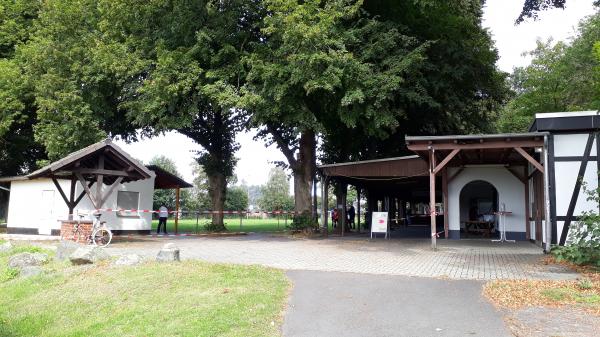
(379, 223)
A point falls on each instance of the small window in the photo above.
(127, 200)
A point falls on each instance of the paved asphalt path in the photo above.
(347, 304)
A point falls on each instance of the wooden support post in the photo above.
(99, 181)
(527, 224)
(87, 190)
(176, 208)
(358, 209)
(342, 216)
(83, 193)
(109, 191)
(432, 198)
(60, 190)
(324, 204)
(315, 214)
(530, 159)
(438, 168)
(72, 197)
(445, 200)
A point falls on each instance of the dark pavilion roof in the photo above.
(116, 163)
(167, 180)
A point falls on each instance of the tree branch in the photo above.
(283, 146)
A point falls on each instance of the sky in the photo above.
(255, 160)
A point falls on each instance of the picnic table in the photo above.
(479, 226)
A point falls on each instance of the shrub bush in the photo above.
(583, 243)
(211, 227)
(302, 221)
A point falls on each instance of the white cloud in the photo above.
(172, 145)
(512, 40)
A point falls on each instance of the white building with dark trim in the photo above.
(100, 176)
(463, 186)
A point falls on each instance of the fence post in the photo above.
(241, 217)
(197, 216)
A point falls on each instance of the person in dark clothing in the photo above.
(351, 216)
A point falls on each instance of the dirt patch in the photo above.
(516, 294)
(552, 307)
(582, 292)
(555, 322)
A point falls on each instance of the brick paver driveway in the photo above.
(455, 259)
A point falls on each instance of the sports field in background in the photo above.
(248, 224)
(188, 225)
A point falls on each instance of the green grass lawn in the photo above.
(189, 298)
(232, 224)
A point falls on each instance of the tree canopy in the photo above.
(561, 77)
(19, 152)
(349, 76)
(458, 88)
(275, 194)
(531, 8)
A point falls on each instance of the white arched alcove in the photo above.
(511, 193)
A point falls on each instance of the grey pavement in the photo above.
(454, 259)
(355, 305)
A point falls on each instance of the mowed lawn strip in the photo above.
(232, 224)
(190, 298)
(187, 225)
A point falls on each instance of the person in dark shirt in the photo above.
(351, 216)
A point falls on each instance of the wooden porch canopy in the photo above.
(102, 163)
(458, 151)
(165, 180)
(361, 173)
(386, 174)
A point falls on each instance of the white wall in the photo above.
(38, 204)
(28, 209)
(572, 145)
(565, 175)
(511, 192)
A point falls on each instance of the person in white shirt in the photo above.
(163, 213)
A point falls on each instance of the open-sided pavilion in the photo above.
(431, 184)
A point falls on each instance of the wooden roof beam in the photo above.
(103, 171)
(530, 159)
(446, 160)
(491, 144)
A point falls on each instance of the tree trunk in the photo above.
(303, 173)
(217, 185)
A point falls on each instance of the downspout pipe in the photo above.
(548, 221)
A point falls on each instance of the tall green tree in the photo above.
(540, 87)
(562, 76)
(74, 73)
(237, 199)
(322, 65)
(275, 194)
(19, 151)
(531, 8)
(188, 74)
